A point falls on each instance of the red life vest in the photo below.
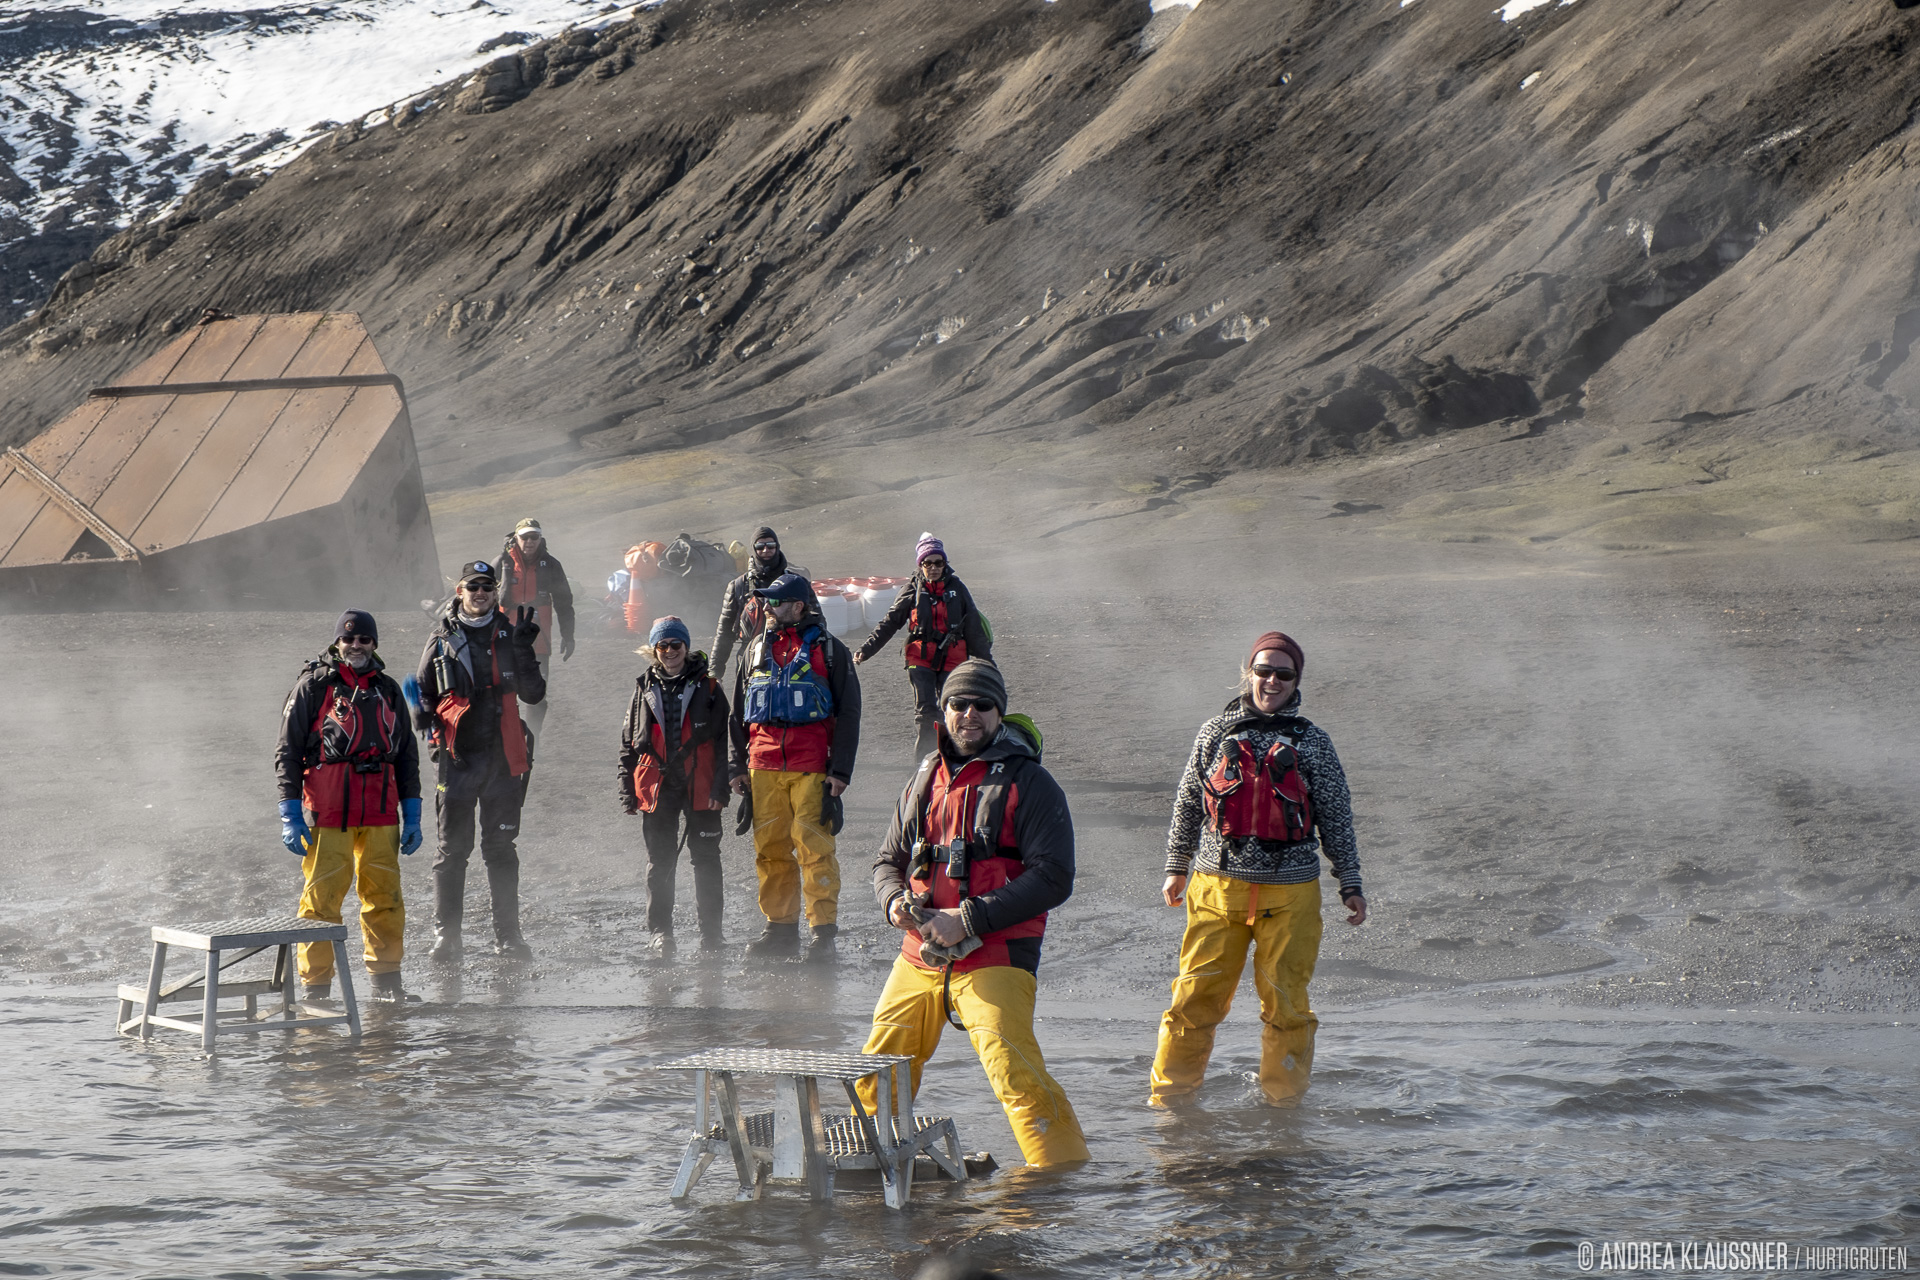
(976, 805)
(452, 708)
(790, 748)
(1248, 794)
(695, 765)
(350, 782)
(523, 587)
(934, 609)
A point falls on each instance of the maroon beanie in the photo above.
(1282, 641)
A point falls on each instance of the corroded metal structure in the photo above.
(255, 461)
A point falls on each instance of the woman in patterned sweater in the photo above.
(1243, 857)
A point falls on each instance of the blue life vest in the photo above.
(789, 693)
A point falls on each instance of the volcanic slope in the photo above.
(1276, 230)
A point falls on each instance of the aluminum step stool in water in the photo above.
(243, 938)
(795, 1141)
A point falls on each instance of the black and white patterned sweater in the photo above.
(1193, 845)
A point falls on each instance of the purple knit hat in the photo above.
(928, 546)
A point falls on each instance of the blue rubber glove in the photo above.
(410, 690)
(409, 824)
(293, 828)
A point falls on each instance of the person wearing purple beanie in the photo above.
(944, 629)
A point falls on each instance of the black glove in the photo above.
(744, 823)
(833, 815)
(630, 803)
(525, 629)
(566, 648)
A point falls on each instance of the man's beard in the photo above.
(358, 659)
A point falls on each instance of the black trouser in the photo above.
(661, 830)
(926, 706)
(489, 786)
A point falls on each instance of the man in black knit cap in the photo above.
(742, 615)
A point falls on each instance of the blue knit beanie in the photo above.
(670, 628)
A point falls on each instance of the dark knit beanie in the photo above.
(976, 678)
(1282, 641)
(356, 622)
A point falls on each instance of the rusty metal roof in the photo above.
(239, 421)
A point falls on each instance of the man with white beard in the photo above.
(350, 800)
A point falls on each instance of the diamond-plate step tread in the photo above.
(844, 1134)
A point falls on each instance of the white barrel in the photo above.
(833, 610)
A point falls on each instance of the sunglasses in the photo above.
(766, 546)
(933, 562)
(964, 705)
(1282, 674)
(672, 646)
(478, 586)
(369, 641)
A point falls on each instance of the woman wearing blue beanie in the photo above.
(673, 765)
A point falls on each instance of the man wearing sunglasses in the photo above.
(673, 768)
(795, 730)
(980, 849)
(742, 613)
(943, 631)
(1244, 860)
(350, 800)
(476, 671)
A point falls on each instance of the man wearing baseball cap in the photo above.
(476, 671)
(795, 730)
(350, 800)
(530, 574)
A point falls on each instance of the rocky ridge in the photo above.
(1272, 232)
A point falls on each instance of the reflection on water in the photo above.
(502, 1138)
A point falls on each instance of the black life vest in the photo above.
(1251, 794)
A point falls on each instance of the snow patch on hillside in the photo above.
(109, 113)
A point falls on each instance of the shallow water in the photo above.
(507, 1136)
(1576, 1013)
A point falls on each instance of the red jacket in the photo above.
(346, 746)
(827, 746)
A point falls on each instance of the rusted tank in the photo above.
(254, 462)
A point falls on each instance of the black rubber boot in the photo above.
(778, 942)
(446, 947)
(449, 902)
(504, 884)
(661, 946)
(317, 991)
(820, 948)
(387, 989)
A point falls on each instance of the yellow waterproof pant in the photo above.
(1282, 921)
(791, 848)
(996, 1004)
(334, 859)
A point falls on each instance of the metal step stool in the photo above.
(794, 1140)
(246, 937)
